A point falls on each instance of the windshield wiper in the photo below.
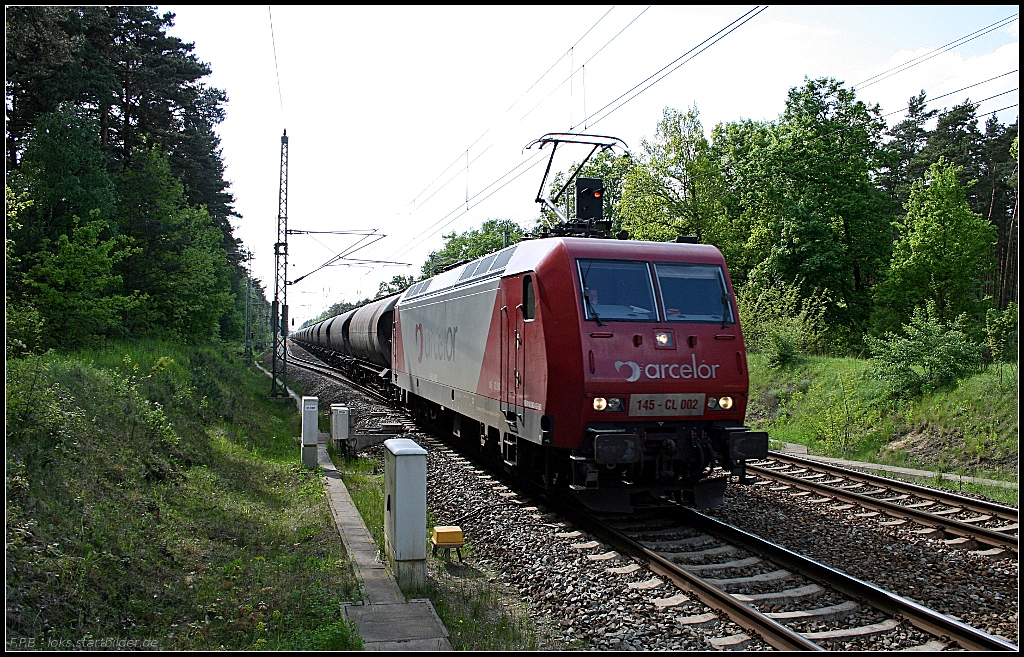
(590, 306)
(586, 295)
(725, 309)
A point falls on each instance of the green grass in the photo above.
(154, 493)
(999, 494)
(838, 408)
(364, 480)
(478, 615)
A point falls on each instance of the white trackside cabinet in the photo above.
(310, 431)
(405, 510)
(310, 428)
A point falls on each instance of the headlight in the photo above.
(663, 338)
(720, 403)
(614, 404)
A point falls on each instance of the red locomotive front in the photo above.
(639, 354)
(614, 367)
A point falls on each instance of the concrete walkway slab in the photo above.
(411, 625)
(384, 619)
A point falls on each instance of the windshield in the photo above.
(693, 293)
(617, 290)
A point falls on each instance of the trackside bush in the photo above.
(1001, 334)
(931, 356)
(779, 323)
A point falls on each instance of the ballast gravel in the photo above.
(568, 580)
(575, 601)
(582, 598)
(980, 591)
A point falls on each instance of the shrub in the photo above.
(1001, 334)
(931, 356)
(780, 323)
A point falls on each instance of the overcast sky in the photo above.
(379, 102)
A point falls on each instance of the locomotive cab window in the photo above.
(529, 299)
(693, 293)
(617, 290)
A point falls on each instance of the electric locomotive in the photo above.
(613, 368)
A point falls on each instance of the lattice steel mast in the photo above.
(279, 362)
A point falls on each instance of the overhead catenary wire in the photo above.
(956, 91)
(702, 46)
(721, 34)
(838, 130)
(430, 229)
(539, 103)
(277, 72)
(343, 254)
(863, 84)
(574, 72)
(695, 177)
(457, 174)
(710, 41)
(516, 102)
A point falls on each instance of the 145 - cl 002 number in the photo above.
(641, 405)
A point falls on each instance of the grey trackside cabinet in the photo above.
(405, 510)
(340, 424)
(310, 430)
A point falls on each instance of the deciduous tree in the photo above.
(942, 254)
(493, 235)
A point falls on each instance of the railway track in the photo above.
(789, 601)
(687, 546)
(331, 373)
(973, 523)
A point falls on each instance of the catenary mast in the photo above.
(279, 362)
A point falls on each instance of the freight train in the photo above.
(613, 368)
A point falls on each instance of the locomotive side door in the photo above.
(517, 314)
(519, 308)
(513, 353)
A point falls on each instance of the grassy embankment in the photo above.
(154, 495)
(477, 615)
(837, 408)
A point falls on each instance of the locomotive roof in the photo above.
(530, 253)
(527, 255)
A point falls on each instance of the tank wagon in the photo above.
(613, 368)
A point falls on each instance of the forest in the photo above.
(844, 235)
(152, 489)
(118, 213)
(866, 223)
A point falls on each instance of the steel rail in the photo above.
(955, 527)
(773, 632)
(980, 506)
(328, 371)
(919, 616)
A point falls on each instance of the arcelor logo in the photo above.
(634, 369)
(436, 343)
(684, 370)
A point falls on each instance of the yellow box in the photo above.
(447, 536)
